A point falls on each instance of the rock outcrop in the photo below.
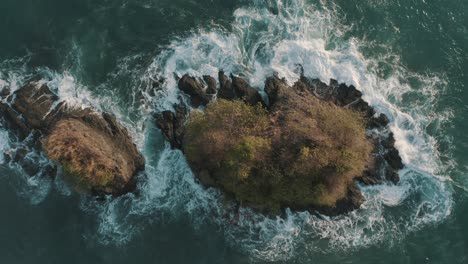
(195, 89)
(245, 92)
(305, 152)
(96, 153)
(226, 90)
(211, 82)
(200, 91)
(172, 125)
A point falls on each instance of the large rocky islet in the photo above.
(303, 146)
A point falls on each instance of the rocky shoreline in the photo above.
(383, 164)
(96, 154)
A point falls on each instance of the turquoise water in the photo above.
(409, 58)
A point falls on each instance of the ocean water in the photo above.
(409, 58)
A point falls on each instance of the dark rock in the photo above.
(171, 125)
(33, 102)
(4, 91)
(226, 90)
(321, 90)
(352, 201)
(28, 108)
(378, 122)
(49, 171)
(29, 166)
(363, 107)
(369, 178)
(166, 122)
(244, 91)
(211, 82)
(20, 154)
(385, 166)
(347, 94)
(392, 176)
(157, 84)
(389, 142)
(393, 158)
(273, 85)
(302, 85)
(14, 121)
(333, 83)
(7, 157)
(194, 88)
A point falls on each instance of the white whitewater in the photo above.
(262, 43)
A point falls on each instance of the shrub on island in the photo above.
(305, 160)
(302, 147)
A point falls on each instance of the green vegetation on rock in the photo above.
(297, 155)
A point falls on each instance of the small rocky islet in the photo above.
(95, 153)
(302, 147)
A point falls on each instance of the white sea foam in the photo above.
(14, 74)
(3, 84)
(263, 43)
(4, 144)
(260, 44)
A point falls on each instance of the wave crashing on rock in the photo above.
(302, 148)
(96, 153)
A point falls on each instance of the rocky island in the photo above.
(95, 153)
(302, 147)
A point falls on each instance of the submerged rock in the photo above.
(95, 151)
(304, 151)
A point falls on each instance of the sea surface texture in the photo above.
(408, 57)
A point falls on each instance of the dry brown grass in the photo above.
(89, 157)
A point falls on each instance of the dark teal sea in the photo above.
(409, 58)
